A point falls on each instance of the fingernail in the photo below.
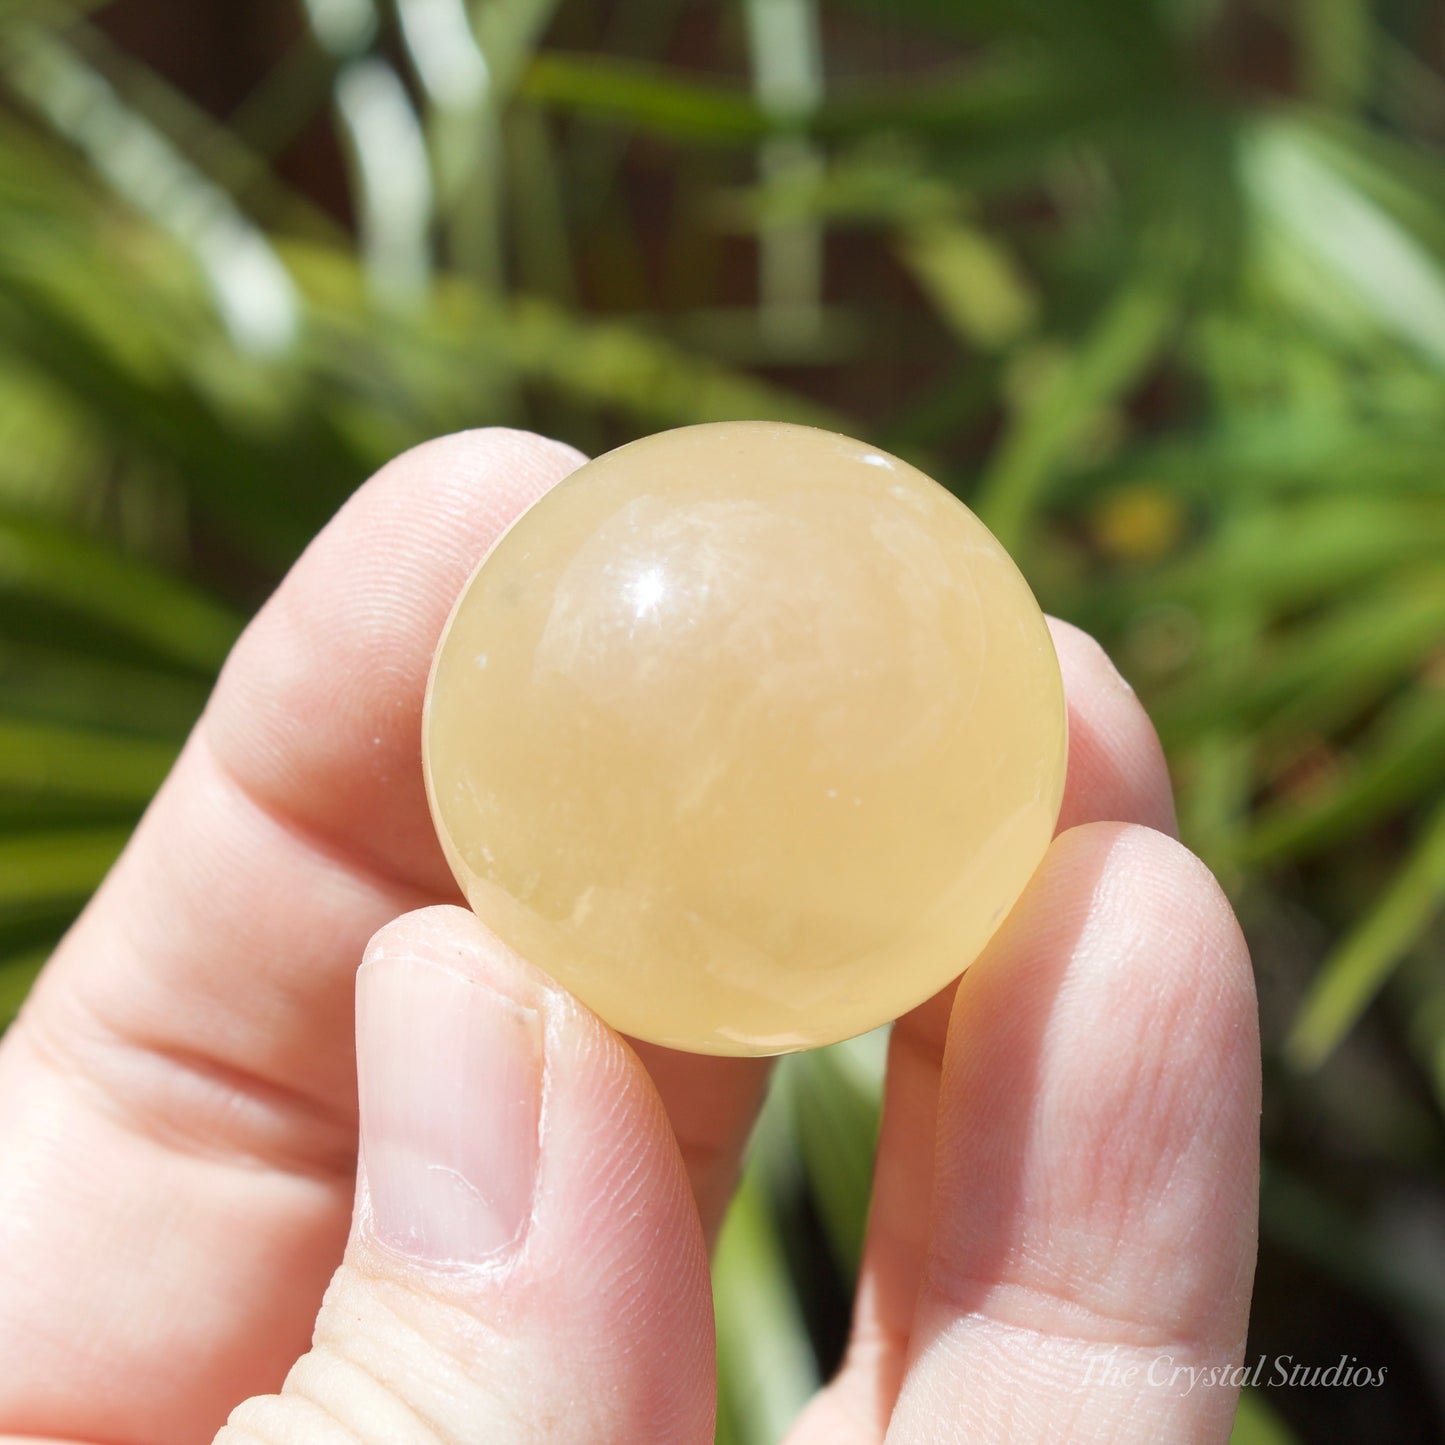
(451, 1081)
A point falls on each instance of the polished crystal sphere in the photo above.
(748, 734)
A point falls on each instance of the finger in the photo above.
(713, 1103)
(1098, 1150)
(177, 1115)
(1116, 766)
(1116, 769)
(316, 658)
(526, 1262)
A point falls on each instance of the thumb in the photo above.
(525, 1261)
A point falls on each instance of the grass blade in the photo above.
(1256, 1424)
(56, 565)
(17, 976)
(1358, 968)
(253, 293)
(56, 867)
(1049, 424)
(391, 177)
(765, 1360)
(68, 762)
(1402, 760)
(1357, 242)
(836, 1095)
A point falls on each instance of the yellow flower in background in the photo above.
(1138, 523)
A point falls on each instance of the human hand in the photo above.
(1068, 1158)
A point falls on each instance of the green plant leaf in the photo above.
(174, 619)
(1312, 677)
(766, 1364)
(55, 867)
(1401, 761)
(648, 97)
(17, 976)
(1357, 242)
(1255, 1423)
(45, 758)
(1049, 423)
(836, 1097)
(974, 283)
(1358, 967)
(253, 293)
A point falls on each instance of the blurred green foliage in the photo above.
(1158, 286)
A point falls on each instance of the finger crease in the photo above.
(366, 869)
(197, 1106)
(979, 1300)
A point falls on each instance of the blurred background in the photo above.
(1156, 286)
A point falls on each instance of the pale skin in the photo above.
(1066, 1181)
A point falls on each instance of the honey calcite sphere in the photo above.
(748, 734)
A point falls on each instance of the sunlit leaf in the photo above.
(973, 281)
(1357, 969)
(1401, 761)
(1255, 1423)
(836, 1095)
(56, 866)
(1048, 423)
(252, 290)
(765, 1360)
(176, 620)
(17, 974)
(44, 758)
(1361, 245)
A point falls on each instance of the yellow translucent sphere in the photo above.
(748, 734)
